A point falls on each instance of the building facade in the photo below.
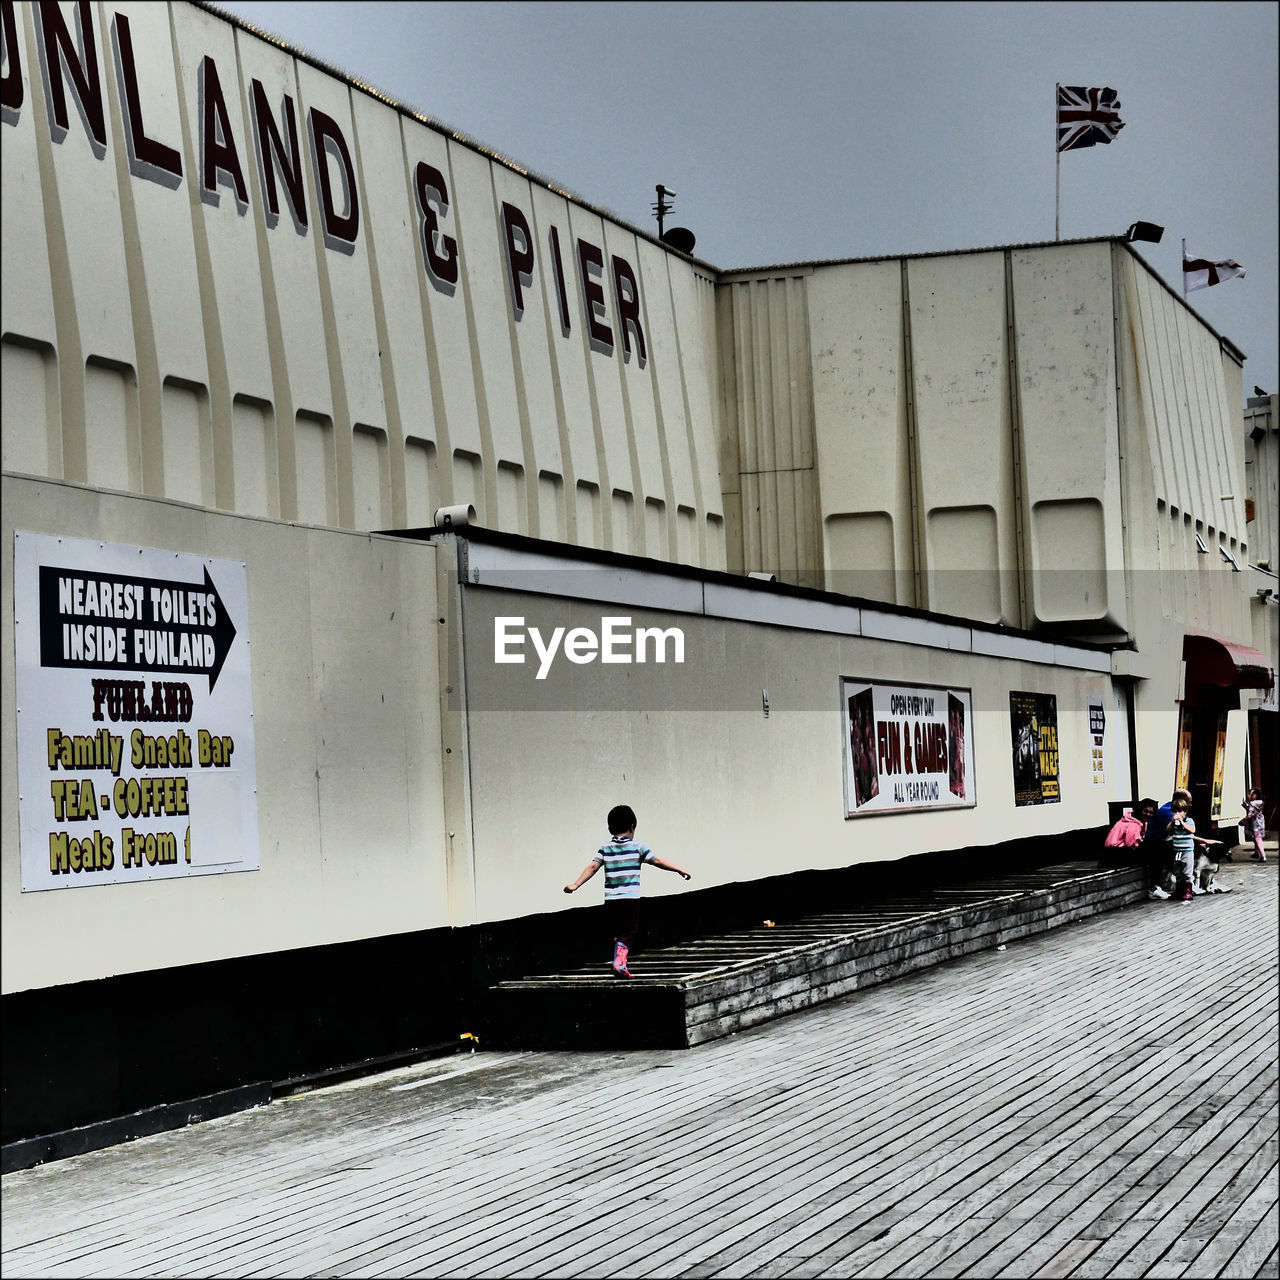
(291, 770)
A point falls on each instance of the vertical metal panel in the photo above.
(768, 444)
(635, 378)
(85, 240)
(483, 290)
(670, 402)
(1063, 310)
(522, 394)
(403, 343)
(31, 440)
(540, 340)
(159, 243)
(227, 250)
(255, 480)
(292, 299)
(960, 367)
(859, 408)
(32, 435)
(343, 270)
(566, 372)
(607, 420)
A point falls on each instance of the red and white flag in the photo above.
(1200, 273)
(1086, 116)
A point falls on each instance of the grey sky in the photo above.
(796, 132)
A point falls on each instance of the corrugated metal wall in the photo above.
(768, 464)
(1184, 450)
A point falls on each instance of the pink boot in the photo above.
(620, 953)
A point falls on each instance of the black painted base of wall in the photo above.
(108, 1133)
(81, 1058)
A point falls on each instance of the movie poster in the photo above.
(1182, 769)
(906, 747)
(1219, 769)
(1033, 723)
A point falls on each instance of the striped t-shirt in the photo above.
(1180, 838)
(621, 860)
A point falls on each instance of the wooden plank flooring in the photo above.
(706, 988)
(1097, 1101)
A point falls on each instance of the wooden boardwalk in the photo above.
(1096, 1101)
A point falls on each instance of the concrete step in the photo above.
(700, 990)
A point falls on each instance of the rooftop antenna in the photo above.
(663, 206)
(679, 238)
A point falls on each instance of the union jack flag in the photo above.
(1086, 116)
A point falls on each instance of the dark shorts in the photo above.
(623, 916)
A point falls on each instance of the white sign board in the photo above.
(135, 715)
(906, 747)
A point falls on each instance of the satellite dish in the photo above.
(681, 239)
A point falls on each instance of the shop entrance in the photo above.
(1216, 671)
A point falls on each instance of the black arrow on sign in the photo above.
(114, 624)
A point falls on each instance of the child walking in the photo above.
(621, 859)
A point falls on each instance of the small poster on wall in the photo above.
(906, 747)
(1033, 723)
(1097, 742)
(1219, 768)
(1182, 767)
(134, 711)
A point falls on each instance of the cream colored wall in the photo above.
(1027, 436)
(1182, 447)
(1183, 433)
(962, 425)
(963, 438)
(167, 342)
(346, 721)
(717, 786)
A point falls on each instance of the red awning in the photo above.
(1211, 660)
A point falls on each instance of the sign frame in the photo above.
(1042, 756)
(858, 781)
(134, 714)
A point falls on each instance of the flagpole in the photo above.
(1182, 266)
(1057, 168)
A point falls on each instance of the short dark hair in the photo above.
(1148, 802)
(622, 817)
